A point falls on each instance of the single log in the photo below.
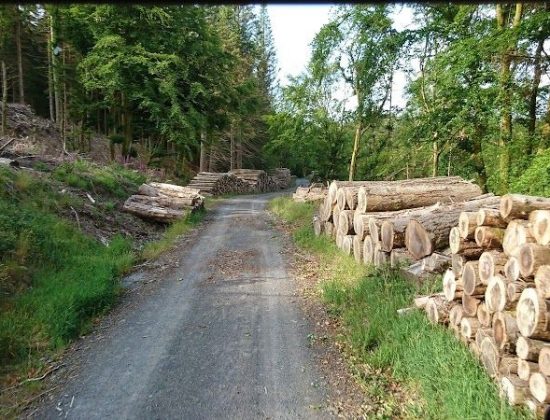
(171, 190)
(358, 248)
(358, 218)
(540, 226)
(329, 229)
(452, 288)
(347, 244)
(490, 263)
(318, 226)
(519, 206)
(531, 257)
(511, 269)
(542, 281)
(362, 199)
(459, 245)
(345, 222)
(380, 257)
(339, 238)
(538, 409)
(508, 365)
(457, 264)
(469, 327)
(526, 369)
(152, 211)
(533, 315)
(174, 203)
(514, 389)
(481, 333)
(544, 360)
(469, 305)
(455, 314)
(496, 297)
(341, 198)
(437, 309)
(484, 316)
(335, 216)
(505, 331)
(420, 302)
(474, 348)
(351, 197)
(467, 224)
(489, 237)
(436, 263)
(490, 217)
(470, 277)
(529, 349)
(514, 289)
(399, 257)
(374, 228)
(540, 387)
(490, 355)
(517, 234)
(368, 250)
(430, 231)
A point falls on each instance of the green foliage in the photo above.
(536, 178)
(426, 360)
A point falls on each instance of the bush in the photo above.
(536, 179)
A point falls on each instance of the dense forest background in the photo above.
(192, 88)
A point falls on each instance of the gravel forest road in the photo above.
(221, 336)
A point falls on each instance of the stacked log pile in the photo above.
(163, 202)
(281, 178)
(315, 192)
(496, 296)
(256, 178)
(219, 183)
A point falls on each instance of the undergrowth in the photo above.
(443, 377)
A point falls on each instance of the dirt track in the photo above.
(219, 336)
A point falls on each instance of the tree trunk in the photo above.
(533, 96)
(50, 80)
(19, 55)
(64, 119)
(55, 68)
(232, 148)
(203, 161)
(356, 140)
(4, 98)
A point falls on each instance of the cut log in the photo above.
(457, 264)
(152, 208)
(540, 226)
(380, 257)
(508, 365)
(533, 315)
(420, 302)
(455, 314)
(157, 189)
(542, 281)
(362, 199)
(467, 224)
(400, 257)
(469, 305)
(484, 316)
(368, 251)
(339, 238)
(430, 231)
(472, 345)
(496, 296)
(489, 237)
(526, 369)
(490, 217)
(539, 410)
(514, 289)
(531, 257)
(335, 216)
(452, 288)
(540, 387)
(511, 269)
(519, 206)
(544, 361)
(515, 390)
(347, 244)
(529, 349)
(517, 234)
(436, 263)
(471, 279)
(329, 229)
(358, 248)
(481, 333)
(318, 226)
(505, 331)
(490, 355)
(464, 247)
(469, 327)
(360, 220)
(351, 197)
(490, 264)
(437, 309)
(341, 198)
(345, 222)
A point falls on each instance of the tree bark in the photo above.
(203, 162)
(19, 53)
(4, 98)
(356, 140)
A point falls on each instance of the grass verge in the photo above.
(443, 379)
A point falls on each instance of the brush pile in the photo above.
(163, 202)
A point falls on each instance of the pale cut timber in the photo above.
(538, 409)
(540, 226)
(374, 228)
(351, 197)
(380, 257)
(533, 315)
(457, 264)
(362, 199)
(361, 221)
(336, 185)
(490, 355)
(458, 245)
(517, 234)
(335, 216)
(358, 223)
(481, 333)
(318, 226)
(174, 203)
(436, 263)
(544, 361)
(329, 229)
(430, 231)
(451, 286)
(519, 206)
(540, 387)
(347, 244)
(339, 238)
(505, 331)
(469, 327)
(368, 250)
(472, 345)
(490, 264)
(529, 348)
(174, 190)
(153, 212)
(531, 257)
(470, 277)
(508, 365)
(542, 281)
(484, 316)
(341, 198)
(526, 369)
(514, 289)
(469, 305)
(489, 237)
(437, 309)
(511, 269)
(345, 222)
(490, 217)
(467, 224)
(514, 389)
(496, 295)
(455, 314)
(358, 248)
(399, 257)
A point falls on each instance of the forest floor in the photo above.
(217, 328)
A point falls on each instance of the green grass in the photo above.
(441, 376)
